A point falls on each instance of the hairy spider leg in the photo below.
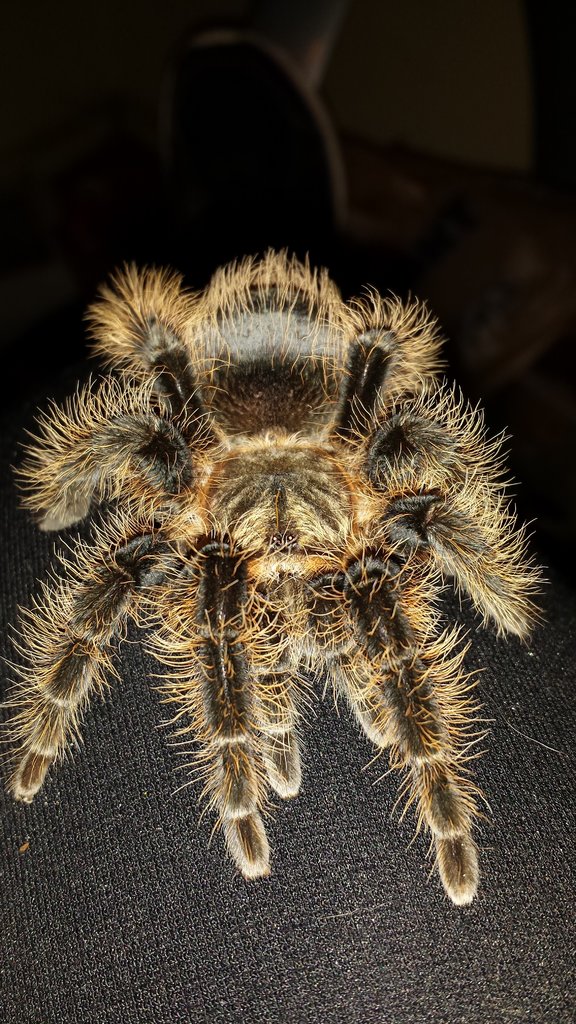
(408, 694)
(205, 636)
(366, 374)
(66, 641)
(394, 349)
(277, 718)
(496, 580)
(140, 323)
(111, 442)
(176, 385)
(451, 514)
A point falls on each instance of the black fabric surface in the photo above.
(123, 909)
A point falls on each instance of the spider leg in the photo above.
(441, 478)
(276, 720)
(434, 525)
(66, 639)
(486, 561)
(104, 443)
(367, 370)
(141, 323)
(395, 348)
(409, 695)
(206, 636)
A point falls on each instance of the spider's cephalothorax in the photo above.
(279, 487)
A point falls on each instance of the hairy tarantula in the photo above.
(278, 487)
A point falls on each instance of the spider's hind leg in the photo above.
(140, 323)
(394, 349)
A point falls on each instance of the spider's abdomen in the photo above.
(262, 394)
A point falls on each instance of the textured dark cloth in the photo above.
(121, 908)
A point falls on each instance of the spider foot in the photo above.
(29, 776)
(248, 845)
(457, 860)
(281, 757)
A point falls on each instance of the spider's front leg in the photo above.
(65, 641)
(207, 636)
(276, 718)
(409, 695)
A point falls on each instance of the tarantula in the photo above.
(278, 487)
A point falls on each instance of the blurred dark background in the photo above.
(423, 148)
